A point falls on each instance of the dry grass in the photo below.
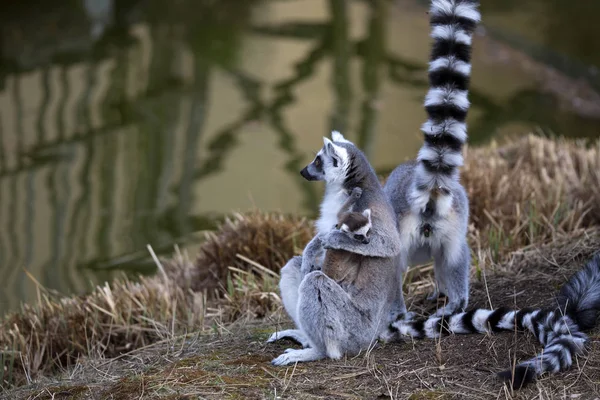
(269, 240)
(235, 364)
(126, 315)
(532, 192)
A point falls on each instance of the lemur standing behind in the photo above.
(431, 204)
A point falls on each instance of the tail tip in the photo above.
(520, 377)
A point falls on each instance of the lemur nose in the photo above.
(304, 173)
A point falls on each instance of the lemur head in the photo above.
(357, 224)
(332, 161)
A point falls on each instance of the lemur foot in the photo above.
(435, 295)
(291, 356)
(294, 334)
(450, 309)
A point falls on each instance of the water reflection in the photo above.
(134, 122)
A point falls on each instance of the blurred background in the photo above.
(133, 122)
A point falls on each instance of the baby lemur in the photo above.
(341, 265)
(354, 223)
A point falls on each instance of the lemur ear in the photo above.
(367, 213)
(329, 147)
(338, 137)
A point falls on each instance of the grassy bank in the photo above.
(198, 326)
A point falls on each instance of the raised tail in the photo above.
(452, 25)
(559, 330)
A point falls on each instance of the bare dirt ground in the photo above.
(234, 363)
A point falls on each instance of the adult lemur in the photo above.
(333, 320)
(430, 202)
(559, 329)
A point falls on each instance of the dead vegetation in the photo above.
(126, 315)
(533, 192)
(232, 361)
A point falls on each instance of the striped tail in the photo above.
(558, 330)
(452, 25)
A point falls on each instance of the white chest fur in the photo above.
(332, 202)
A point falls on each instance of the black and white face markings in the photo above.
(358, 225)
(329, 165)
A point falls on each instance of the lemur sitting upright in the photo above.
(341, 265)
(332, 319)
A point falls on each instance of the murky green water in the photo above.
(142, 123)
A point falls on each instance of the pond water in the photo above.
(143, 122)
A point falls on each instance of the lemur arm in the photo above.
(346, 207)
(312, 256)
(380, 245)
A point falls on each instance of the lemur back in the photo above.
(341, 265)
(431, 204)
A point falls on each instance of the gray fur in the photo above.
(431, 204)
(343, 320)
(355, 224)
(580, 297)
(447, 244)
(312, 256)
(349, 205)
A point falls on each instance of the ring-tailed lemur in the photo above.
(559, 330)
(332, 320)
(431, 204)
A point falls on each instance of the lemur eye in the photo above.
(318, 161)
(358, 237)
(335, 162)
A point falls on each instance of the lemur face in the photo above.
(330, 164)
(358, 225)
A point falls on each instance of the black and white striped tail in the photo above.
(558, 330)
(452, 25)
